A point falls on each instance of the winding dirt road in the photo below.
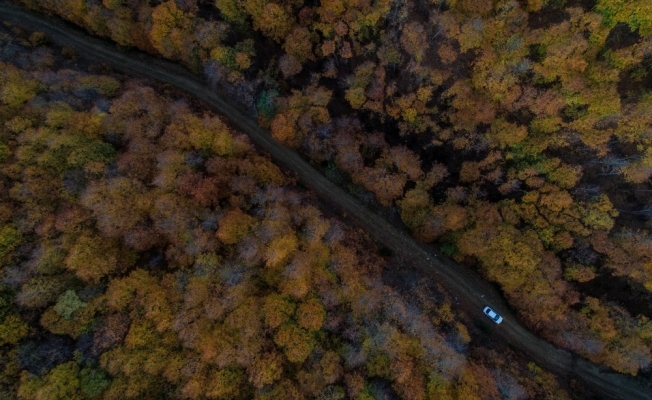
(472, 291)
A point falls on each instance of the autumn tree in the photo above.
(277, 310)
(271, 19)
(634, 13)
(280, 250)
(234, 225)
(299, 45)
(310, 315)
(12, 330)
(507, 134)
(296, 342)
(169, 29)
(266, 369)
(225, 384)
(60, 383)
(10, 238)
(91, 258)
(413, 40)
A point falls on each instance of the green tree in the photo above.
(10, 238)
(61, 383)
(12, 329)
(93, 382)
(68, 303)
(232, 11)
(42, 290)
(635, 13)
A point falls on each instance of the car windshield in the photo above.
(497, 317)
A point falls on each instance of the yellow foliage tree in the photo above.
(311, 315)
(168, 23)
(297, 344)
(281, 250)
(234, 225)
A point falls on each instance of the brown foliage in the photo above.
(111, 333)
(447, 53)
(298, 45)
(281, 250)
(413, 40)
(470, 171)
(297, 343)
(284, 129)
(289, 65)
(266, 369)
(273, 20)
(234, 225)
(277, 310)
(311, 314)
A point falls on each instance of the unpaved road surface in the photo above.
(472, 292)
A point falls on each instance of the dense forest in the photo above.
(514, 134)
(147, 250)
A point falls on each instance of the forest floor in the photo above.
(471, 291)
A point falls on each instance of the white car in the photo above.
(493, 315)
